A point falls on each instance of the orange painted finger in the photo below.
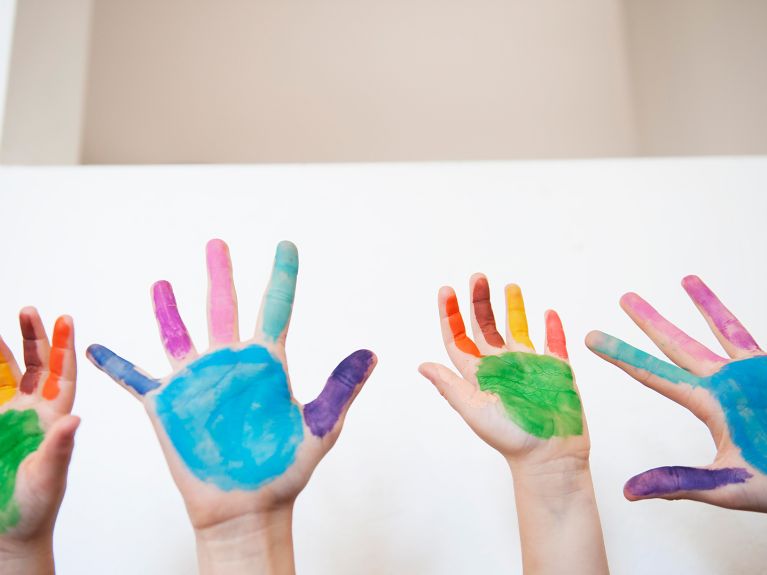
(556, 344)
(452, 314)
(61, 364)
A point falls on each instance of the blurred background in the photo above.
(243, 81)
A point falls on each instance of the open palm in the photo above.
(36, 428)
(235, 438)
(523, 404)
(728, 395)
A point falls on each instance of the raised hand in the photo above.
(522, 403)
(728, 395)
(36, 441)
(237, 442)
(526, 406)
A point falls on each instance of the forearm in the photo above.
(252, 544)
(559, 522)
(28, 558)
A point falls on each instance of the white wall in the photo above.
(7, 17)
(408, 489)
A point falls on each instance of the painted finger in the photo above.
(121, 370)
(223, 328)
(48, 471)
(62, 373)
(330, 407)
(10, 374)
(456, 390)
(277, 303)
(556, 344)
(683, 483)
(36, 349)
(516, 319)
(663, 377)
(482, 318)
(175, 337)
(672, 341)
(461, 349)
(735, 340)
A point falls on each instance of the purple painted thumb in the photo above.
(665, 481)
(322, 414)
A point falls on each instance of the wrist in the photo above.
(28, 557)
(250, 543)
(564, 476)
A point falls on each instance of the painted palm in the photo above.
(516, 400)
(235, 437)
(728, 395)
(36, 428)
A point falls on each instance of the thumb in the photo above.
(456, 390)
(683, 483)
(322, 414)
(49, 469)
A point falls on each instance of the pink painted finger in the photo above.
(222, 299)
(175, 337)
(36, 349)
(736, 341)
(556, 344)
(672, 341)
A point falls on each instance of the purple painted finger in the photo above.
(664, 481)
(322, 414)
(173, 332)
(728, 330)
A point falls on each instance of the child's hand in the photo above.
(526, 406)
(238, 443)
(36, 441)
(728, 395)
(522, 403)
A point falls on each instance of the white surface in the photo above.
(408, 489)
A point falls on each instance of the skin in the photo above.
(527, 407)
(240, 447)
(727, 394)
(36, 441)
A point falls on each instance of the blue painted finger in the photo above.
(278, 302)
(322, 414)
(121, 370)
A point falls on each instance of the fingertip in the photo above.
(286, 248)
(95, 353)
(28, 310)
(215, 244)
(691, 280)
(594, 339)
(513, 290)
(629, 300)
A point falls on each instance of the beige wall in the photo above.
(700, 75)
(300, 80)
(46, 82)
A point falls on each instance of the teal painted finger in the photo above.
(278, 303)
(619, 350)
(121, 370)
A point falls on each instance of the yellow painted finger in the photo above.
(516, 317)
(8, 383)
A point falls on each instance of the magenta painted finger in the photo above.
(322, 414)
(222, 301)
(664, 481)
(173, 332)
(675, 343)
(725, 324)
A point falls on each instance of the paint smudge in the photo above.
(537, 392)
(20, 435)
(231, 418)
(669, 480)
(175, 337)
(457, 328)
(278, 302)
(483, 311)
(555, 335)
(516, 316)
(322, 414)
